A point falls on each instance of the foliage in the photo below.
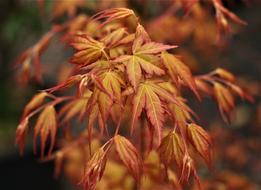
(129, 90)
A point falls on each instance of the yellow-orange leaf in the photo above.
(112, 82)
(75, 108)
(222, 73)
(94, 170)
(176, 69)
(172, 148)
(188, 168)
(150, 95)
(152, 48)
(136, 63)
(88, 49)
(141, 37)
(224, 99)
(46, 125)
(36, 101)
(114, 37)
(129, 156)
(112, 14)
(201, 141)
(148, 98)
(72, 80)
(133, 71)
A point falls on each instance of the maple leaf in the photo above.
(149, 95)
(129, 156)
(204, 87)
(70, 81)
(88, 50)
(201, 141)
(46, 125)
(36, 101)
(112, 82)
(142, 44)
(225, 100)
(188, 168)
(240, 92)
(181, 115)
(75, 108)
(97, 66)
(114, 37)
(134, 64)
(94, 169)
(224, 74)
(113, 14)
(20, 134)
(31, 56)
(221, 84)
(176, 69)
(143, 58)
(172, 148)
(222, 14)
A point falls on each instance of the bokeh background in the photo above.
(237, 146)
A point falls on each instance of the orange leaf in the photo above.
(72, 80)
(224, 74)
(146, 97)
(150, 95)
(113, 14)
(201, 141)
(203, 86)
(142, 44)
(180, 115)
(114, 37)
(112, 82)
(152, 48)
(134, 64)
(88, 49)
(224, 99)
(188, 168)
(172, 148)
(46, 125)
(129, 156)
(75, 108)
(31, 56)
(176, 68)
(94, 170)
(36, 101)
(20, 134)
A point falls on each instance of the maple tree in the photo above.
(129, 91)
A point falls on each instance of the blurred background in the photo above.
(237, 146)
